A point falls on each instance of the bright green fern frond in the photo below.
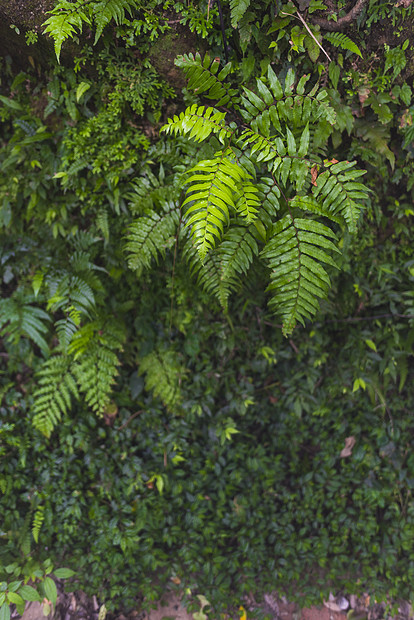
(199, 123)
(38, 519)
(151, 235)
(163, 375)
(65, 21)
(247, 201)
(339, 39)
(298, 279)
(108, 10)
(53, 395)
(210, 195)
(270, 197)
(67, 18)
(204, 77)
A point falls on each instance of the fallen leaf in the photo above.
(347, 450)
(332, 606)
(314, 174)
(363, 94)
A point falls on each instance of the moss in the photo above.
(26, 14)
(165, 50)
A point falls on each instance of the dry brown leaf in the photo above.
(363, 94)
(332, 606)
(347, 450)
(314, 174)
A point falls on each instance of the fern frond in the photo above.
(204, 77)
(151, 235)
(163, 375)
(209, 275)
(210, 195)
(219, 274)
(339, 39)
(66, 328)
(23, 320)
(38, 519)
(199, 122)
(237, 9)
(67, 18)
(65, 21)
(97, 362)
(67, 290)
(298, 279)
(108, 10)
(52, 398)
(337, 191)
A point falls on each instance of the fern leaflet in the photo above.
(339, 39)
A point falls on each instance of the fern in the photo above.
(19, 320)
(108, 10)
(53, 396)
(261, 196)
(65, 21)
(68, 17)
(150, 236)
(38, 519)
(219, 274)
(97, 362)
(237, 9)
(295, 254)
(163, 375)
(89, 367)
(210, 195)
(339, 39)
(205, 77)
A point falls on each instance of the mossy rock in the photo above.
(25, 15)
(166, 49)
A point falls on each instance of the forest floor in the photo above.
(77, 606)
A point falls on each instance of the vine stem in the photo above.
(299, 16)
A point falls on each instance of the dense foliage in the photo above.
(157, 427)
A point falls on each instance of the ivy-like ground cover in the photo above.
(157, 428)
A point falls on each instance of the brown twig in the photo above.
(342, 22)
(129, 420)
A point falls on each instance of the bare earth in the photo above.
(278, 609)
